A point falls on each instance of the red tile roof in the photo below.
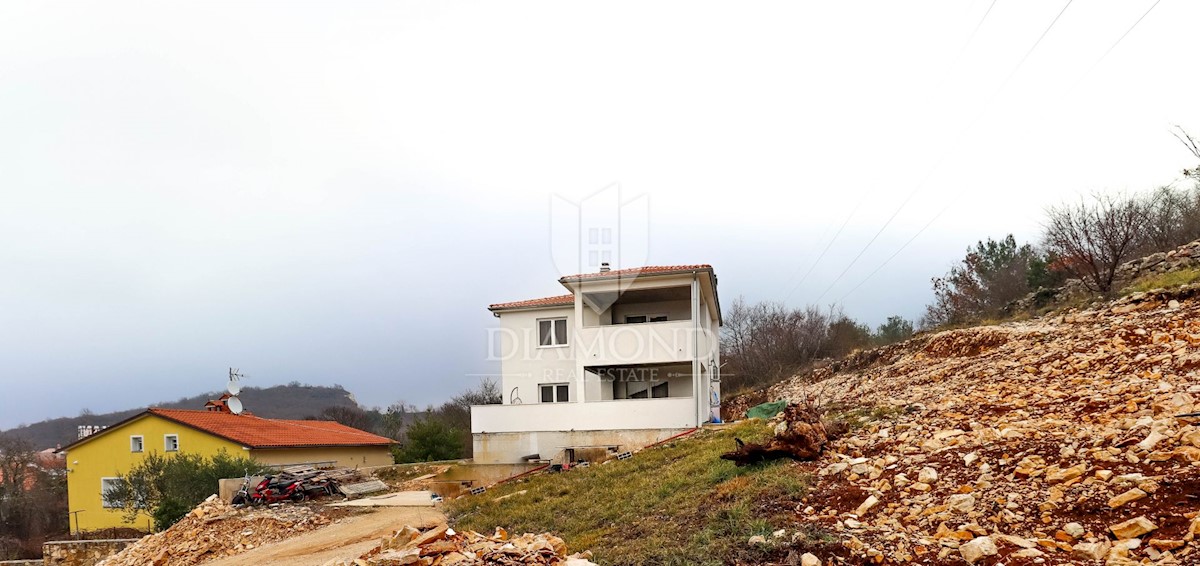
(559, 300)
(563, 300)
(635, 271)
(257, 432)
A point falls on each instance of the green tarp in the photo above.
(766, 410)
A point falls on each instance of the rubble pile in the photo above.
(1052, 441)
(799, 434)
(442, 545)
(215, 529)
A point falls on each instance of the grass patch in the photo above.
(678, 503)
(857, 417)
(399, 473)
(1163, 281)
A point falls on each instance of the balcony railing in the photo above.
(675, 412)
(651, 342)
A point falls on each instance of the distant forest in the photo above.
(292, 401)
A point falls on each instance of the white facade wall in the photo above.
(689, 337)
(524, 364)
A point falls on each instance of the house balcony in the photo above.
(645, 343)
(633, 414)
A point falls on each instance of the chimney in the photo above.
(604, 267)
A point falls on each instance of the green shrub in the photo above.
(169, 512)
(430, 440)
(169, 486)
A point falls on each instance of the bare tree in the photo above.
(33, 499)
(353, 417)
(16, 460)
(1094, 236)
(765, 342)
(1192, 146)
(1172, 219)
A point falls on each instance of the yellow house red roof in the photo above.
(257, 432)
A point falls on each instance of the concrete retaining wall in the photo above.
(592, 445)
(82, 552)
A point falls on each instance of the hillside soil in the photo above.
(1052, 441)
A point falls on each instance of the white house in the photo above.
(627, 358)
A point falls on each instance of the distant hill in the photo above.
(281, 402)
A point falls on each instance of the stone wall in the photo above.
(1186, 256)
(82, 552)
(37, 562)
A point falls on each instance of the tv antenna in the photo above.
(234, 387)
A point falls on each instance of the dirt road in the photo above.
(351, 537)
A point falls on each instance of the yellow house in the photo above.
(95, 461)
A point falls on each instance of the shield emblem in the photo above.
(600, 229)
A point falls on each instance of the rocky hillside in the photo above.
(280, 402)
(1052, 441)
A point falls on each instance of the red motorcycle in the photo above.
(274, 490)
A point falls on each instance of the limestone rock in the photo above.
(963, 503)
(1131, 495)
(1132, 528)
(870, 502)
(978, 549)
(1091, 550)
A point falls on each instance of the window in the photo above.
(107, 485)
(555, 393)
(136, 444)
(552, 332)
(646, 390)
(640, 318)
(171, 442)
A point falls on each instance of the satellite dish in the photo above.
(234, 387)
(234, 404)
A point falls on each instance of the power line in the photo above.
(1122, 38)
(977, 26)
(897, 252)
(826, 250)
(1035, 46)
(947, 207)
(828, 245)
(873, 238)
(946, 152)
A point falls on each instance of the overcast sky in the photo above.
(334, 192)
